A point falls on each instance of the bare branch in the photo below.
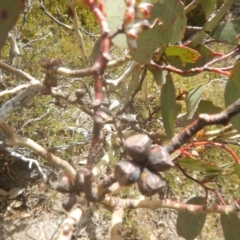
(13, 139)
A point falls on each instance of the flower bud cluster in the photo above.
(135, 20)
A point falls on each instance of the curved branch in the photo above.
(13, 139)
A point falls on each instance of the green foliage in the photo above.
(168, 108)
(171, 18)
(39, 36)
(189, 225)
(232, 92)
(227, 32)
(230, 225)
(192, 100)
(200, 165)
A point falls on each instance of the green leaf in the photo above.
(237, 169)
(174, 21)
(211, 24)
(208, 7)
(227, 32)
(168, 106)
(168, 30)
(95, 50)
(199, 165)
(147, 43)
(114, 13)
(225, 166)
(206, 106)
(232, 92)
(230, 225)
(133, 84)
(206, 55)
(9, 13)
(186, 55)
(159, 76)
(190, 225)
(192, 100)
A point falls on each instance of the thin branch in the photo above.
(18, 72)
(191, 6)
(167, 203)
(13, 139)
(116, 224)
(69, 225)
(202, 121)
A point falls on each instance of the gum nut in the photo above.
(52, 82)
(159, 159)
(44, 62)
(150, 182)
(127, 172)
(80, 93)
(138, 147)
(64, 184)
(69, 201)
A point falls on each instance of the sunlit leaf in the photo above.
(115, 11)
(230, 225)
(168, 106)
(159, 76)
(95, 50)
(185, 54)
(237, 169)
(232, 92)
(199, 165)
(208, 7)
(192, 100)
(9, 13)
(147, 43)
(206, 55)
(174, 21)
(206, 106)
(190, 225)
(211, 24)
(168, 30)
(225, 166)
(227, 32)
(133, 84)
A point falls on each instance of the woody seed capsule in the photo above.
(159, 159)
(138, 147)
(150, 182)
(127, 172)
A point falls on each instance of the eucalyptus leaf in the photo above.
(114, 12)
(206, 55)
(199, 165)
(211, 23)
(208, 7)
(207, 106)
(168, 106)
(168, 29)
(159, 76)
(232, 92)
(185, 54)
(226, 32)
(190, 225)
(230, 226)
(237, 169)
(192, 100)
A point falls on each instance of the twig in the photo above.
(13, 139)
(202, 121)
(29, 160)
